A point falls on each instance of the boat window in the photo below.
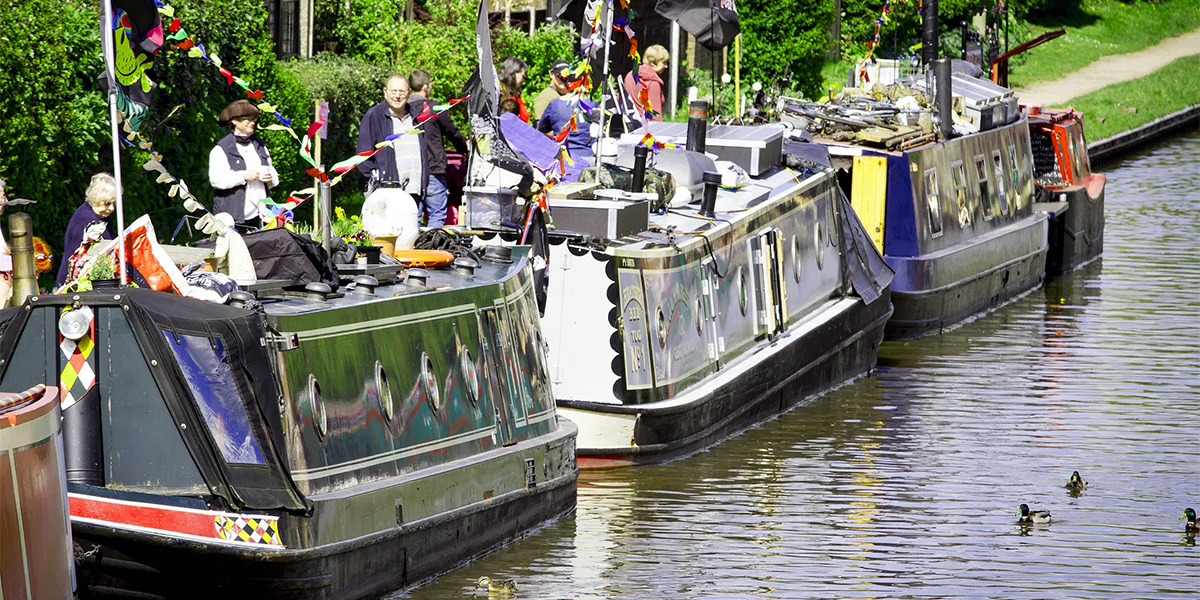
(202, 360)
(470, 377)
(1079, 154)
(985, 198)
(316, 404)
(958, 178)
(933, 203)
(1001, 191)
(819, 244)
(796, 254)
(429, 380)
(1016, 176)
(384, 389)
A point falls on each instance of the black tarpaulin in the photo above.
(158, 318)
(281, 254)
(714, 23)
(868, 272)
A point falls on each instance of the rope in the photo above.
(442, 239)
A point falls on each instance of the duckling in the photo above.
(506, 586)
(1191, 527)
(1033, 516)
(1076, 484)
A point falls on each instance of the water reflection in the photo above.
(907, 483)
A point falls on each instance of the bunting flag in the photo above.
(136, 37)
(874, 42)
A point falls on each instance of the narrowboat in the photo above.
(671, 328)
(1069, 191)
(314, 441)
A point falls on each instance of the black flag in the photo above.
(713, 22)
(137, 35)
(484, 105)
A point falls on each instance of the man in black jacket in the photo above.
(436, 128)
(404, 164)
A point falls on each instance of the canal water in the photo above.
(906, 484)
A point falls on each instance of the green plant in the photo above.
(349, 228)
(104, 268)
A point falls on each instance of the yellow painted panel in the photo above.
(868, 194)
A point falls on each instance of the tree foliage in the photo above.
(784, 37)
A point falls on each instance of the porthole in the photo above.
(316, 405)
(743, 294)
(386, 403)
(796, 254)
(819, 242)
(662, 328)
(699, 323)
(470, 374)
(429, 381)
(832, 222)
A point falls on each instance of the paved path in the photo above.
(1112, 69)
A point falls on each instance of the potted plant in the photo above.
(103, 274)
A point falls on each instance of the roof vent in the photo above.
(365, 284)
(465, 266)
(317, 290)
(500, 254)
(417, 277)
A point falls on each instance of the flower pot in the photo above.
(387, 244)
(106, 284)
(371, 252)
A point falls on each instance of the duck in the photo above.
(1076, 484)
(1033, 516)
(506, 586)
(1192, 527)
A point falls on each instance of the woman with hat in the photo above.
(239, 167)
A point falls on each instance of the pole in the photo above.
(673, 76)
(533, 17)
(107, 46)
(317, 157)
(603, 113)
(737, 74)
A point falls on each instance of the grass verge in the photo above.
(1099, 28)
(1111, 110)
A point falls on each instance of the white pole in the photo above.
(603, 113)
(673, 86)
(106, 37)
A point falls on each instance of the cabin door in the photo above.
(501, 382)
(770, 293)
(707, 311)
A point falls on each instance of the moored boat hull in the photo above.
(809, 359)
(1076, 236)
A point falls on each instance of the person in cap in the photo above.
(88, 225)
(239, 167)
(560, 71)
(438, 127)
(649, 77)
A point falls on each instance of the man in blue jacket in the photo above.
(404, 164)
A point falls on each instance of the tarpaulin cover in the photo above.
(281, 254)
(158, 318)
(713, 22)
(869, 274)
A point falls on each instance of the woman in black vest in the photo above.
(239, 167)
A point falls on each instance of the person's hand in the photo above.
(266, 177)
(250, 175)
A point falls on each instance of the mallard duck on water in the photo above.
(1191, 526)
(506, 586)
(1033, 516)
(1076, 484)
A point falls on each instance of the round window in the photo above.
(818, 242)
(430, 382)
(796, 254)
(316, 406)
(699, 324)
(662, 328)
(386, 403)
(743, 293)
(470, 374)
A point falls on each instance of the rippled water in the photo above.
(906, 484)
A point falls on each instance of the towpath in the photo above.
(1113, 69)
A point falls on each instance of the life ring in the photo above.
(424, 258)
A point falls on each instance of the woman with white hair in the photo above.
(90, 223)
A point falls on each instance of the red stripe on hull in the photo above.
(164, 518)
